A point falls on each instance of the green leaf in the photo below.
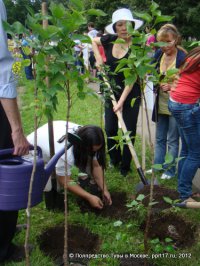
(168, 158)
(159, 44)
(25, 62)
(195, 43)
(26, 50)
(81, 37)
(40, 59)
(139, 40)
(168, 200)
(143, 16)
(121, 64)
(31, 20)
(117, 223)
(67, 58)
(153, 203)
(158, 248)
(116, 138)
(171, 72)
(126, 71)
(130, 28)
(96, 12)
(81, 95)
(153, 31)
(78, 19)
(169, 248)
(178, 159)
(8, 28)
(155, 241)
(119, 41)
(168, 240)
(140, 197)
(153, 6)
(18, 28)
(118, 236)
(57, 10)
(160, 19)
(76, 4)
(133, 203)
(133, 101)
(142, 70)
(51, 31)
(157, 167)
(131, 79)
(30, 10)
(72, 183)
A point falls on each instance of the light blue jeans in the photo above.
(188, 120)
(167, 140)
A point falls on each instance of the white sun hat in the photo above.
(122, 14)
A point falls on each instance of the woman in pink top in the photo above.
(184, 104)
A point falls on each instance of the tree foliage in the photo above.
(17, 10)
(185, 12)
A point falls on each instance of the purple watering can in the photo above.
(15, 174)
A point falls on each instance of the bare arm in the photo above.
(95, 43)
(21, 145)
(120, 103)
(94, 201)
(98, 175)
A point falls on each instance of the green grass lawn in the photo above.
(126, 238)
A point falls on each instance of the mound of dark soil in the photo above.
(80, 241)
(173, 226)
(158, 193)
(117, 210)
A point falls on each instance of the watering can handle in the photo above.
(11, 150)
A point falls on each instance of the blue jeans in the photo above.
(167, 140)
(188, 120)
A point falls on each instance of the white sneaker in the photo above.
(164, 176)
(148, 172)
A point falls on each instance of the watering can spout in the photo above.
(51, 164)
(72, 139)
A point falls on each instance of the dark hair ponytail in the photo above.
(83, 152)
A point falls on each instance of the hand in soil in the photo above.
(95, 202)
(107, 198)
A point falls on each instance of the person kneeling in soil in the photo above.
(88, 155)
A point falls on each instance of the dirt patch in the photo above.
(80, 241)
(117, 210)
(158, 193)
(172, 226)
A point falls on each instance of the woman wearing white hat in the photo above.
(123, 94)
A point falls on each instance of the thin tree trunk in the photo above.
(65, 253)
(143, 134)
(28, 210)
(50, 120)
(149, 209)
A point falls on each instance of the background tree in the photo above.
(17, 10)
(185, 12)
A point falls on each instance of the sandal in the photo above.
(190, 199)
(196, 195)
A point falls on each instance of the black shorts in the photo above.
(92, 60)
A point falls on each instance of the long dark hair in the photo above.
(193, 63)
(83, 151)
